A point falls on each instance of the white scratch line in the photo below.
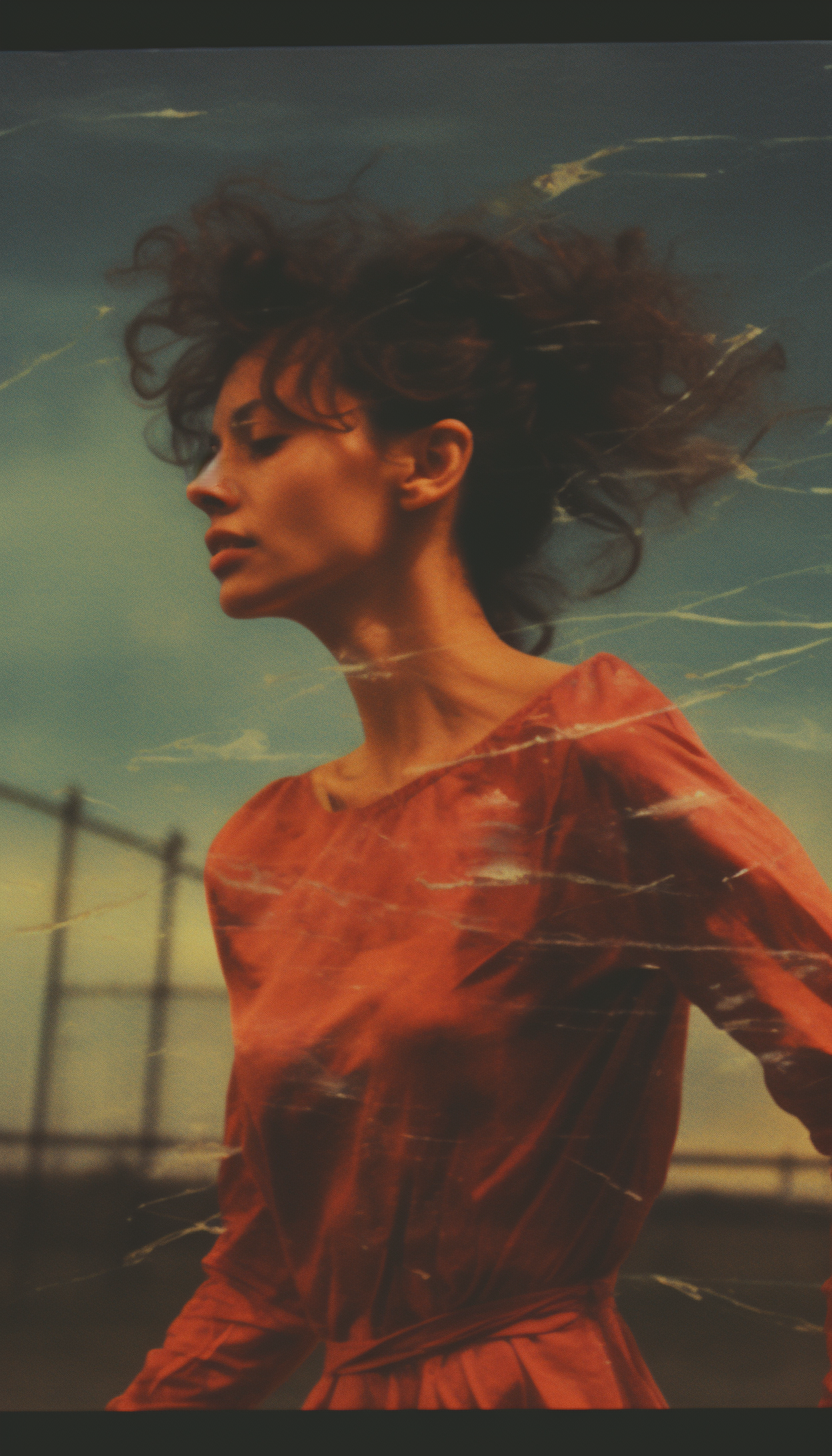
(667, 808)
(513, 875)
(628, 1193)
(744, 472)
(207, 1226)
(564, 175)
(345, 669)
(73, 919)
(101, 310)
(718, 172)
(761, 657)
(39, 121)
(584, 730)
(729, 947)
(168, 114)
(694, 1291)
(680, 615)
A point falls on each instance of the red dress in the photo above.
(459, 1019)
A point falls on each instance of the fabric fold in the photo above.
(527, 1315)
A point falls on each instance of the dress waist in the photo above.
(527, 1314)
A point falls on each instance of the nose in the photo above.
(212, 491)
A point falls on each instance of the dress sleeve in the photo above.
(244, 1330)
(740, 918)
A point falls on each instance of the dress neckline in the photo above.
(420, 781)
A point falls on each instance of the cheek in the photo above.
(335, 503)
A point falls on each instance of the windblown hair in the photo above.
(577, 364)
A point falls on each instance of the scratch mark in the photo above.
(586, 730)
(167, 114)
(718, 172)
(728, 947)
(73, 919)
(742, 471)
(694, 1291)
(101, 310)
(669, 808)
(628, 1192)
(564, 175)
(509, 874)
(761, 657)
(212, 1225)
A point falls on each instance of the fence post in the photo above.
(159, 998)
(70, 817)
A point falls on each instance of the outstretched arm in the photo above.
(745, 928)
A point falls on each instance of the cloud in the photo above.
(251, 747)
(811, 738)
(283, 122)
(166, 114)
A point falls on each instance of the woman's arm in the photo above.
(244, 1330)
(741, 921)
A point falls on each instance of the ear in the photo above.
(435, 459)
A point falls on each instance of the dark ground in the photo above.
(78, 1342)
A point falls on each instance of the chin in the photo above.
(242, 606)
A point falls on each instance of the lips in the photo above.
(227, 541)
(226, 549)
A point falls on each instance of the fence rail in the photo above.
(786, 1165)
(157, 849)
(159, 992)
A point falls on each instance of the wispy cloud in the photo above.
(811, 738)
(252, 746)
(166, 114)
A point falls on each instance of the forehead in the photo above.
(242, 384)
(240, 395)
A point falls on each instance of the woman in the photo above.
(460, 958)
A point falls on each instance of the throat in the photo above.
(334, 791)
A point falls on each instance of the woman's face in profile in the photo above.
(300, 512)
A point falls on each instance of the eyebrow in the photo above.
(243, 413)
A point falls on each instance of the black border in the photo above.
(76, 28)
(586, 1431)
(90, 26)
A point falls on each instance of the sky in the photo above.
(120, 675)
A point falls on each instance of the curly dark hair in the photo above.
(576, 363)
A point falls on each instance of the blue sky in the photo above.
(119, 672)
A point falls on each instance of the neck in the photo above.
(429, 675)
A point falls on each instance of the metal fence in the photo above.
(159, 990)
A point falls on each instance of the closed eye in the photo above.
(267, 445)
